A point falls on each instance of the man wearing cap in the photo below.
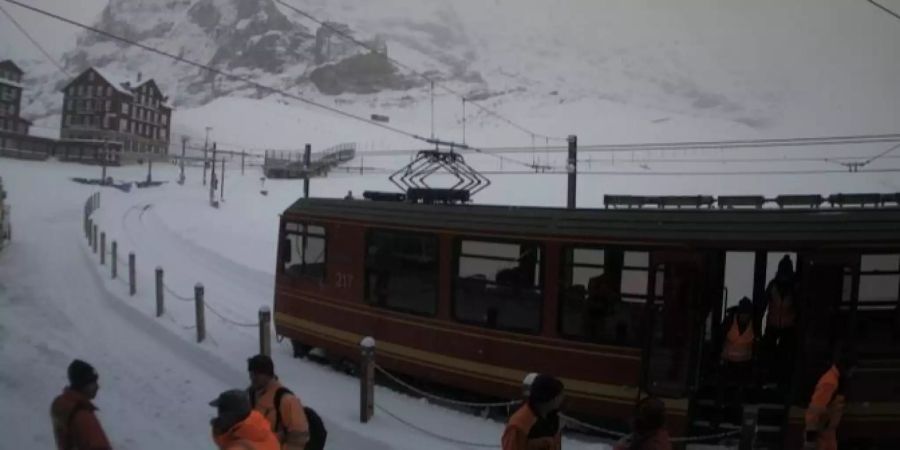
(75, 426)
(277, 404)
(535, 425)
(237, 426)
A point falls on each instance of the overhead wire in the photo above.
(400, 64)
(885, 9)
(33, 41)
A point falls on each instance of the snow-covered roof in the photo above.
(117, 80)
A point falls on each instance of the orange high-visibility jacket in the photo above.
(293, 431)
(518, 433)
(75, 426)
(826, 409)
(781, 309)
(738, 346)
(252, 433)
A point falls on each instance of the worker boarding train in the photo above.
(618, 303)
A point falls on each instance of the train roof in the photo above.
(830, 227)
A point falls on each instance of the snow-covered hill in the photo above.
(700, 69)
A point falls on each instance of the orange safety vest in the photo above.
(738, 346)
(781, 310)
(826, 409)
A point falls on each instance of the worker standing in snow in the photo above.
(75, 426)
(277, 404)
(827, 406)
(535, 425)
(238, 427)
(649, 431)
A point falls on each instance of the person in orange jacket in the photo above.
(288, 419)
(535, 425)
(737, 350)
(649, 429)
(780, 337)
(75, 424)
(237, 426)
(827, 406)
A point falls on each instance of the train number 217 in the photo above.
(344, 280)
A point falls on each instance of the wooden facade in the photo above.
(11, 120)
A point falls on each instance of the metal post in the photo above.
(265, 336)
(90, 227)
(149, 169)
(222, 187)
(184, 140)
(160, 306)
(94, 238)
(212, 178)
(572, 169)
(115, 259)
(748, 429)
(367, 379)
(103, 162)
(306, 155)
(205, 147)
(103, 248)
(243, 155)
(198, 306)
(132, 288)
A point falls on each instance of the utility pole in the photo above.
(205, 146)
(572, 169)
(306, 154)
(184, 140)
(212, 178)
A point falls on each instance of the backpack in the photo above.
(317, 432)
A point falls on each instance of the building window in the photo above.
(499, 284)
(107, 106)
(164, 119)
(402, 271)
(303, 250)
(125, 108)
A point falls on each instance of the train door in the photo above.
(826, 283)
(675, 290)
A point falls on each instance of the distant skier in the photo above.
(296, 427)
(75, 426)
(535, 425)
(237, 426)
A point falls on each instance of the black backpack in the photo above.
(317, 432)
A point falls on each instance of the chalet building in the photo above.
(11, 120)
(101, 106)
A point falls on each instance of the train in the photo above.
(475, 297)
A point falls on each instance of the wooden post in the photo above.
(307, 151)
(222, 186)
(132, 288)
(160, 307)
(198, 307)
(367, 379)
(265, 336)
(243, 155)
(90, 226)
(748, 429)
(94, 238)
(115, 259)
(103, 248)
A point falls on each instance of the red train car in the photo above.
(476, 297)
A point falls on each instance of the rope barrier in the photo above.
(442, 399)
(175, 294)
(587, 426)
(235, 323)
(433, 434)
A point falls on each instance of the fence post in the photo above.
(160, 307)
(94, 239)
(367, 379)
(748, 428)
(198, 306)
(115, 259)
(102, 248)
(132, 288)
(265, 334)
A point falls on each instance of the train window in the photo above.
(591, 307)
(878, 311)
(636, 276)
(304, 250)
(499, 285)
(402, 271)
